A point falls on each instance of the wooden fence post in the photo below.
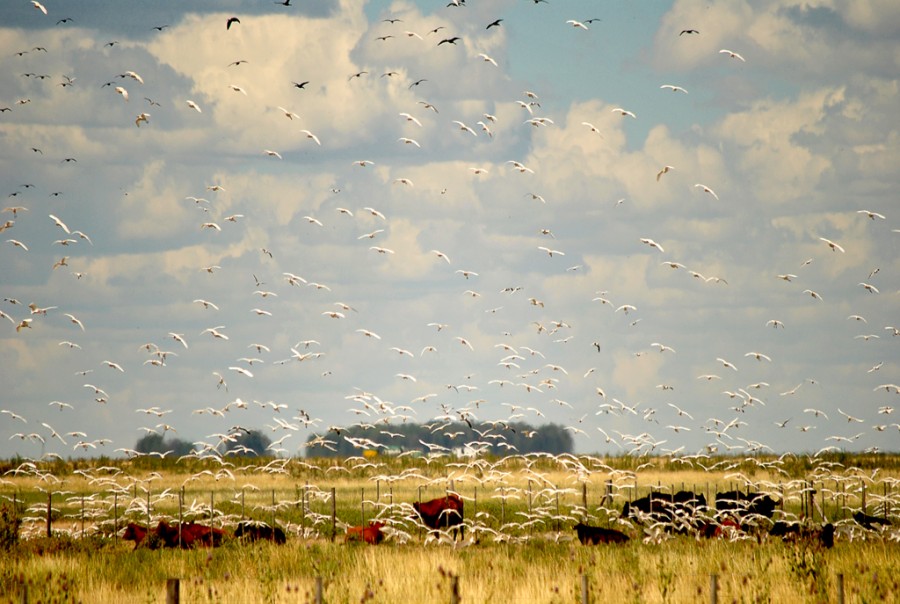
(584, 499)
(863, 495)
(333, 514)
(454, 589)
(318, 590)
(49, 510)
(585, 594)
(116, 518)
(840, 588)
(822, 499)
(713, 588)
(886, 512)
(362, 507)
(273, 509)
(303, 510)
(557, 511)
(82, 516)
(180, 514)
(173, 591)
(211, 495)
(148, 508)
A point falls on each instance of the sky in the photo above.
(590, 214)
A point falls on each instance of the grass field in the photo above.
(519, 544)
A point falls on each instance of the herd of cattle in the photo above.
(734, 514)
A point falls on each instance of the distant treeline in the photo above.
(453, 438)
(252, 443)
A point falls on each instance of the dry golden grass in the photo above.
(524, 564)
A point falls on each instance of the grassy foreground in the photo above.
(521, 512)
(677, 570)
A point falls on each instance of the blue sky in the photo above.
(793, 143)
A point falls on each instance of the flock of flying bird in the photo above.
(530, 377)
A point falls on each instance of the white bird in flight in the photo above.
(834, 246)
(312, 136)
(652, 243)
(707, 190)
(577, 24)
(731, 54)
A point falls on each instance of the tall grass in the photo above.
(521, 512)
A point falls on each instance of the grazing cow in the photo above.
(259, 531)
(594, 535)
(784, 529)
(443, 512)
(870, 522)
(664, 507)
(746, 504)
(137, 533)
(795, 531)
(369, 534)
(192, 535)
(726, 527)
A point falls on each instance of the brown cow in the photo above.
(137, 533)
(369, 534)
(192, 535)
(443, 512)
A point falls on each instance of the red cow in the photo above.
(443, 512)
(135, 532)
(192, 535)
(369, 534)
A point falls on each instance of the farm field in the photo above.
(519, 544)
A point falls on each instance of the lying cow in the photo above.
(139, 533)
(594, 535)
(370, 534)
(259, 531)
(443, 512)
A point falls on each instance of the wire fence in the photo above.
(501, 511)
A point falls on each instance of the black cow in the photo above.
(259, 531)
(746, 504)
(594, 535)
(677, 509)
(795, 531)
(870, 522)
